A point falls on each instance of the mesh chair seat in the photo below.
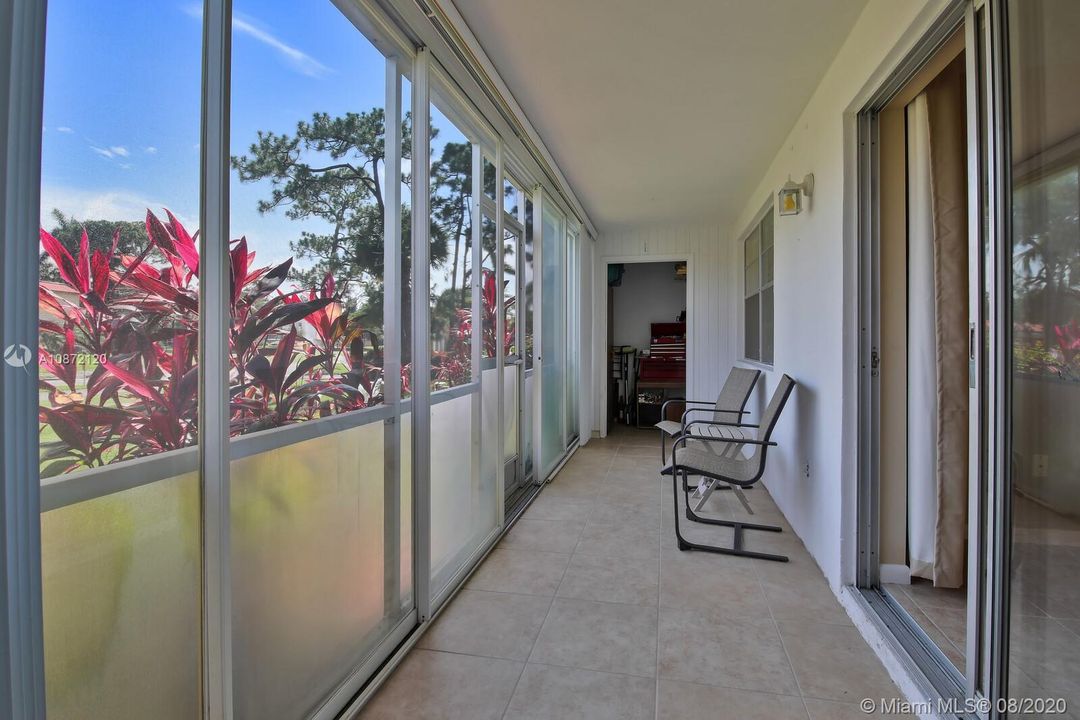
(670, 427)
(698, 459)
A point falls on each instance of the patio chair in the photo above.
(729, 408)
(691, 457)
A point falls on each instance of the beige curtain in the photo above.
(945, 97)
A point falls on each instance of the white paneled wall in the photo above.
(711, 328)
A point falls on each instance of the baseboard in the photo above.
(894, 574)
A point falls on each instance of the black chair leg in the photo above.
(737, 544)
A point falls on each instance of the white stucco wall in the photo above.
(815, 310)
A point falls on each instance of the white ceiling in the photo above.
(661, 110)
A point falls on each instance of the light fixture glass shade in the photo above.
(790, 197)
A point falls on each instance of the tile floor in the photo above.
(588, 610)
(1045, 625)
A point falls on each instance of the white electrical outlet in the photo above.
(1040, 466)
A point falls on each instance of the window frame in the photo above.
(755, 226)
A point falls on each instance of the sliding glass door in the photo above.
(1041, 498)
(1008, 634)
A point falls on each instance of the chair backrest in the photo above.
(776, 405)
(769, 418)
(734, 395)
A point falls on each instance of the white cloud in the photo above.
(110, 204)
(294, 57)
(150, 150)
(64, 129)
(113, 151)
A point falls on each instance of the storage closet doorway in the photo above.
(646, 338)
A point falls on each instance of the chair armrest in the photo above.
(749, 441)
(713, 409)
(718, 423)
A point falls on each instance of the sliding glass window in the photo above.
(318, 504)
(119, 336)
(463, 493)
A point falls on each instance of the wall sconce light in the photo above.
(791, 195)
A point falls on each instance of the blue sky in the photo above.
(121, 125)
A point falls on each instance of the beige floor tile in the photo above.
(445, 686)
(609, 579)
(709, 648)
(575, 489)
(520, 571)
(828, 710)
(927, 596)
(553, 507)
(641, 513)
(1073, 625)
(1048, 655)
(692, 701)
(546, 692)
(598, 636)
(802, 599)
(953, 623)
(632, 541)
(544, 535)
(600, 539)
(491, 624)
(728, 584)
(833, 662)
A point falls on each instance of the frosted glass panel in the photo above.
(405, 572)
(552, 341)
(527, 422)
(463, 512)
(510, 405)
(120, 585)
(313, 586)
(491, 431)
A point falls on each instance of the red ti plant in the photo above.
(132, 323)
(1068, 337)
(454, 367)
